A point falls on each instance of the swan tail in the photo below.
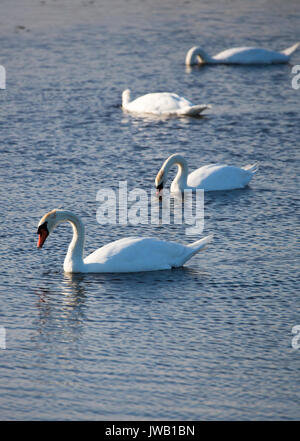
(253, 168)
(194, 110)
(291, 49)
(195, 247)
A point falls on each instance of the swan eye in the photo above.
(160, 186)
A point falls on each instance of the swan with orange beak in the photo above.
(130, 254)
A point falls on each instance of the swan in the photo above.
(130, 254)
(209, 177)
(161, 104)
(240, 55)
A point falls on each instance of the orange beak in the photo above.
(42, 237)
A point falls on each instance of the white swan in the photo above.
(209, 177)
(124, 255)
(161, 104)
(240, 55)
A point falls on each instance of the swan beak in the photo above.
(159, 189)
(43, 233)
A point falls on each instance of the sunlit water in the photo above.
(211, 340)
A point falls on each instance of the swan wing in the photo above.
(159, 103)
(139, 254)
(249, 55)
(214, 177)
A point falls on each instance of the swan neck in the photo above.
(180, 181)
(196, 55)
(125, 97)
(74, 258)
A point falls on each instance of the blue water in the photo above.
(210, 341)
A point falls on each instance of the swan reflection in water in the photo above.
(61, 312)
(96, 303)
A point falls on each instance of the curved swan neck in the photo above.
(74, 257)
(180, 181)
(125, 97)
(196, 55)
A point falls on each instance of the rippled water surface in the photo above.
(209, 341)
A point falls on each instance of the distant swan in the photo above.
(125, 255)
(209, 177)
(162, 104)
(240, 55)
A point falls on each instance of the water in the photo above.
(209, 341)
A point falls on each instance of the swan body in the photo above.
(240, 55)
(210, 177)
(161, 104)
(130, 254)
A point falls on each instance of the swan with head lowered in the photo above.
(125, 255)
(240, 55)
(161, 104)
(210, 177)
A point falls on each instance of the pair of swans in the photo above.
(138, 253)
(240, 55)
(171, 104)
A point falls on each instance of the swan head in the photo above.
(196, 55)
(46, 226)
(159, 182)
(179, 183)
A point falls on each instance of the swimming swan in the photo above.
(125, 255)
(161, 104)
(209, 177)
(240, 55)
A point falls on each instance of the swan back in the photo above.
(159, 103)
(132, 254)
(214, 177)
(249, 55)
